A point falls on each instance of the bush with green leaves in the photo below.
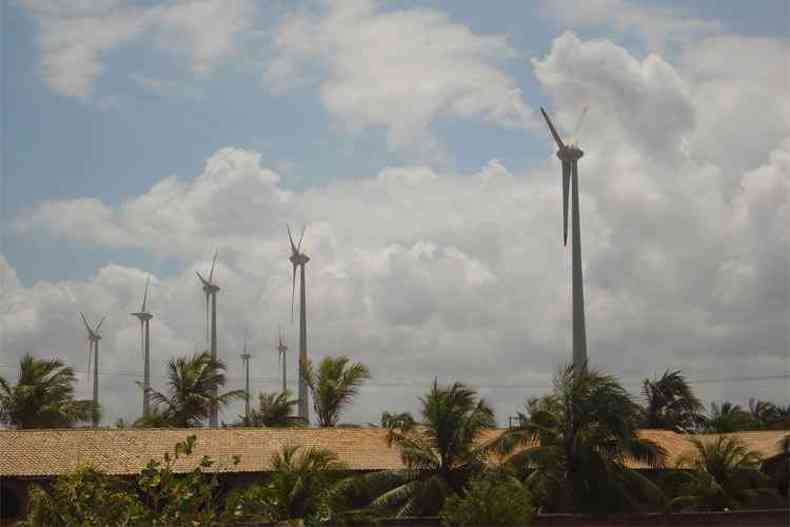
(158, 497)
(84, 497)
(490, 500)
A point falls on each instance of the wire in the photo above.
(426, 382)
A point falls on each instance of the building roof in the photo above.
(126, 451)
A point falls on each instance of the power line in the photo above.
(422, 383)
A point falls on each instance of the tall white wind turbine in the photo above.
(298, 260)
(211, 289)
(145, 345)
(93, 349)
(570, 154)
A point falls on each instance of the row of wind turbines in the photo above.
(298, 261)
(569, 155)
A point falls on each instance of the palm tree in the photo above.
(393, 420)
(574, 443)
(725, 475)
(766, 414)
(334, 386)
(671, 403)
(192, 382)
(273, 410)
(440, 454)
(43, 396)
(299, 487)
(728, 417)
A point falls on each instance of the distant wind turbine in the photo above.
(281, 354)
(211, 289)
(298, 260)
(145, 344)
(570, 154)
(245, 357)
(93, 349)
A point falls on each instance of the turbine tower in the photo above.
(281, 349)
(570, 154)
(145, 344)
(93, 349)
(299, 259)
(211, 289)
(245, 357)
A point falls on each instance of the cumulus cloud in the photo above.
(397, 69)
(658, 25)
(419, 272)
(74, 37)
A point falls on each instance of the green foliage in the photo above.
(86, 497)
(440, 454)
(670, 404)
(727, 418)
(724, 475)
(573, 445)
(43, 396)
(299, 488)
(490, 500)
(192, 385)
(393, 420)
(273, 410)
(334, 386)
(178, 499)
(158, 497)
(767, 415)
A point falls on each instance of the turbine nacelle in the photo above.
(298, 259)
(93, 333)
(570, 153)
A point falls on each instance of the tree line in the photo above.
(43, 397)
(571, 450)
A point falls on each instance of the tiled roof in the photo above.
(127, 451)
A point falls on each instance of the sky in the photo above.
(138, 137)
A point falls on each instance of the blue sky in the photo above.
(173, 87)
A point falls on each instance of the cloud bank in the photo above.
(418, 272)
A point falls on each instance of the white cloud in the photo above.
(74, 37)
(398, 70)
(658, 25)
(419, 272)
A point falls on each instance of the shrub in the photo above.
(490, 501)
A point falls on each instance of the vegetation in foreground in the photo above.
(567, 454)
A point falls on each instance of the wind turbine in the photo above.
(211, 289)
(281, 349)
(245, 357)
(93, 349)
(570, 154)
(145, 344)
(299, 259)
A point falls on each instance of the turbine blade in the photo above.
(575, 134)
(205, 282)
(291, 239)
(299, 245)
(85, 321)
(145, 295)
(90, 356)
(99, 324)
(213, 262)
(552, 129)
(566, 181)
(293, 291)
